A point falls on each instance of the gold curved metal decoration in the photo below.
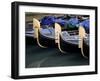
(57, 36)
(36, 27)
(82, 35)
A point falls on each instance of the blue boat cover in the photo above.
(73, 22)
(47, 31)
(85, 24)
(50, 20)
(61, 22)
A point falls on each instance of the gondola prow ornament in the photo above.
(82, 35)
(57, 36)
(36, 27)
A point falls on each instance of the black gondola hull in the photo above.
(85, 49)
(30, 40)
(68, 47)
(46, 41)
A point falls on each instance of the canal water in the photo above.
(37, 57)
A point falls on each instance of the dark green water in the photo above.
(50, 57)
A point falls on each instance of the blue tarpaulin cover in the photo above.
(85, 24)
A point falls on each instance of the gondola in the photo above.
(44, 36)
(68, 38)
(73, 41)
